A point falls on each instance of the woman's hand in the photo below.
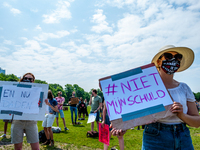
(47, 102)
(103, 123)
(117, 132)
(177, 108)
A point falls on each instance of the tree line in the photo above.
(68, 89)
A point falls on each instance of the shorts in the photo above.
(48, 121)
(17, 131)
(81, 111)
(97, 117)
(61, 113)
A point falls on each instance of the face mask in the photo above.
(73, 94)
(60, 95)
(26, 80)
(170, 66)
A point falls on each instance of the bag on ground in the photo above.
(42, 136)
(92, 134)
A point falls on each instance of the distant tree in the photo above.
(100, 93)
(79, 91)
(197, 96)
(40, 81)
(9, 77)
(68, 90)
(86, 96)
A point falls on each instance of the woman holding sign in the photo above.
(29, 126)
(172, 133)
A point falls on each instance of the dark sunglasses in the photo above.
(30, 79)
(170, 56)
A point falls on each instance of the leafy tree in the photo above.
(197, 96)
(9, 77)
(68, 90)
(79, 91)
(40, 81)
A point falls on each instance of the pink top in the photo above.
(60, 100)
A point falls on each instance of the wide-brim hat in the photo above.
(186, 61)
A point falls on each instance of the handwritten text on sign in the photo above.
(20, 99)
(136, 92)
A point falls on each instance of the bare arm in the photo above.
(192, 118)
(90, 102)
(61, 104)
(55, 108)
(100, 105)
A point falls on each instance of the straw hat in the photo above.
(187, 60)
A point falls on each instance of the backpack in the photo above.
(42, 136)
(92, 134)
(56, 129)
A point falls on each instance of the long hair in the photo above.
(27, 74)
(50, 95)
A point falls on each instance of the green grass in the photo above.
(76, 136)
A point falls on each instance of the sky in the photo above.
(81, 41)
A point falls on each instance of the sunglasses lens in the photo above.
(30, 79)
(178, 56)
(168, 55)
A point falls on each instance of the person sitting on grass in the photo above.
(81, 108)
(49, 118)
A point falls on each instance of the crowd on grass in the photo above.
(169, 133)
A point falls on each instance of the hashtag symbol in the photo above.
(112, 89)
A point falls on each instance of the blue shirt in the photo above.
(54, 103)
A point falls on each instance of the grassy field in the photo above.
(76, 138)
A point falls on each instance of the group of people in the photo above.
(166, 134)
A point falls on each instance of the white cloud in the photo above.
(58, 34)
(7, 42)
(38, 27)
(102, 25)
(13, 10)
(34, 10)
(32, 45)
(61, 12)
(74, 31)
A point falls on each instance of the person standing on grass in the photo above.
(60, 101)
(73, 108)
(86, 112)
(106, 120)
(5, 127)
(172, 133)
(96, 104)
(49, 118)
(29, 126)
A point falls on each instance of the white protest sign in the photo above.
(23, 106)
(20, 99)
(92, 117)
(135, 93)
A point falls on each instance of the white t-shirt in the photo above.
(181, 94)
